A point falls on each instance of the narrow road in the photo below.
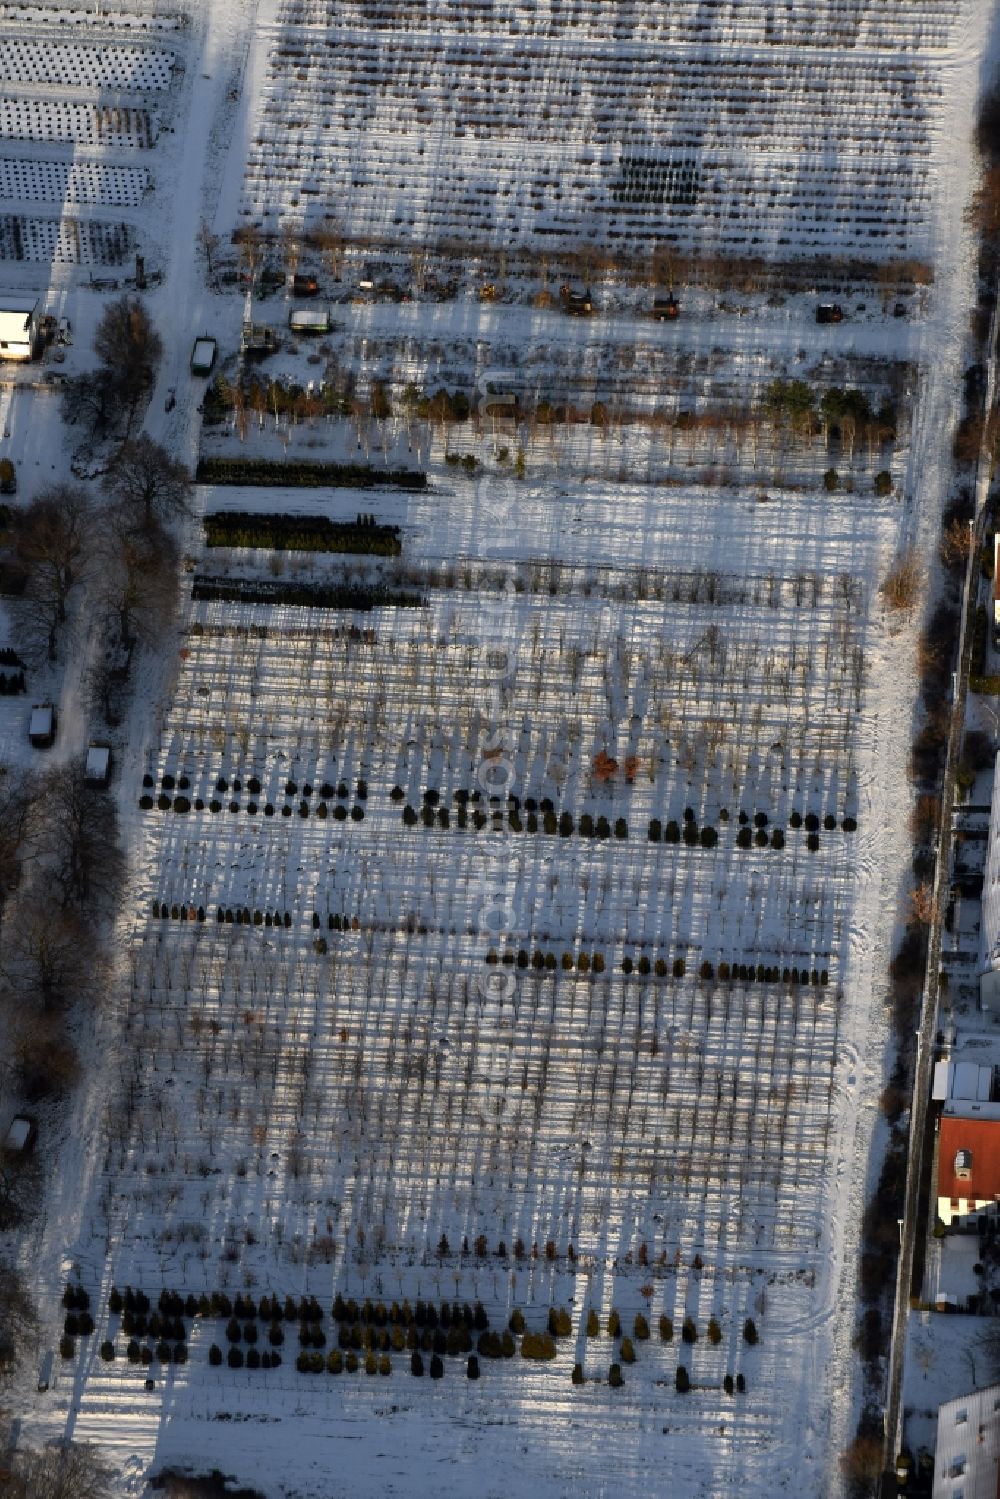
(928, 1015)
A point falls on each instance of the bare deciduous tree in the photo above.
(45, 1061)
(46, 959)
(251, 247)
(17, 1313)
(79, 847)
(129, 349)
(52, 542)
(329, 240)
(65, 1470)
(291, 247)
(139, 579)
(147, 486)
(208, 242)
(16, 794)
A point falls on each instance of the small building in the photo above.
(967, 1451)
(18, 326)
(203, 355)
(968, 1161)
(42, 726)
(258, 341)
(961, 1082)
(97, 770)
(577, 304)
(309, 320)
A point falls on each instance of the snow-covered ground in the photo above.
(540, 127)
(307, 1107)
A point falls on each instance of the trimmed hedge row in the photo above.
(302, 595)
(300, 533)
(305, 475)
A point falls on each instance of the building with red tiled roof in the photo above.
(968, 1163)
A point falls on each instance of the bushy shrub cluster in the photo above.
(431, 815)
(761, 973)
(659, 968)
(538, 1345)
(243, 917)
(164, 911)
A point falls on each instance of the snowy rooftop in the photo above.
(98, 761)
(962, 1082)
(967, 1457)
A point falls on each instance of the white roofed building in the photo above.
(967, 1453)
(18, 326)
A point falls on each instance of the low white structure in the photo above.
(42, 725)
(97, 770)
(989, 979)
(18, 326)
(309, 320)
(967, 1454)
(962, 1083)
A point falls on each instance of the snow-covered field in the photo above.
(663, 1102)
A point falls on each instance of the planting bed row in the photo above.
(61, 182)
(344, 596)
(66, 240)
(660, 967)
(84, 66)
(303, 533)
(119, 126)
(183, 804)
(588, 826)
(302, 474)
